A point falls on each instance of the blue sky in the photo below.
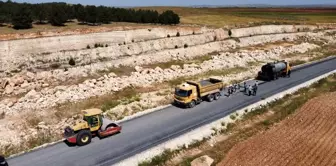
(184, 2)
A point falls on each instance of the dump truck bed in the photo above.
(205, 87)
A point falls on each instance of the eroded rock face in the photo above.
(26, 81)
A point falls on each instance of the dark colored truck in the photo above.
(272, 71)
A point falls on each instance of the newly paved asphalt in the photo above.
(147, 131)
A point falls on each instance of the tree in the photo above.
(80, 13)
(22, 18)
(41, 13)
(104, 15)
(58, 16)
(91, 14)
(169, 17)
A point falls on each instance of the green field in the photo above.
(213, 17)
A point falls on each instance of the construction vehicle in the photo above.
(191, 93)
(3, 161)
(274, 70)
(92, 124)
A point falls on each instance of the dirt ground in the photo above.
(306, 138)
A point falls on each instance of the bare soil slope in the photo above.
(306, 138)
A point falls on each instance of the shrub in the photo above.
(149, 30)
(176, 46)
(223, 123)
(106, 45)
(124, 43)
(298, 29)
(88, 47)
(266, 122)
(215, 38)
(185, 45)
(168, 36)
(193, 33)
(72, 62)
(178, 34)
(233, 117)
(230, 33)
(132, 40)
(96, 45)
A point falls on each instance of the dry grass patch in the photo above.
(33, 120)
(220, 72)
(105, 102)
(166, 65)
(120, 71)
(242, 17)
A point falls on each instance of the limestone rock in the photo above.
(9, 90)
(3, 83)
(45, 85)
(32, 95)
(17, 80)
(112, 75)
(202, 161)
(138, 68)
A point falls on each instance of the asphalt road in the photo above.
(147, 131)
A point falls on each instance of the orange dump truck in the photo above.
(191, 93)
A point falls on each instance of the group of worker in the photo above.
(233, 88)
(248, 89)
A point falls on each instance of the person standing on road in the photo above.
(249, 90)
(229, 90)
(245, 87)
(255, 88)
(289, 73)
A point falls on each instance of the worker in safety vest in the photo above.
(288, 70)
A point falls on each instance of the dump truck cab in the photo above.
(93, 123)
(185, 93)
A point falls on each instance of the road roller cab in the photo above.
(92, 123)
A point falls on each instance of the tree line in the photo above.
(22, 15)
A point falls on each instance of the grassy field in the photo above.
(221, 17)
(212, 17)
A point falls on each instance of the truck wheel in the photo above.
(192, 104)
(84, 137)
(217, 96)
(210, 97)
